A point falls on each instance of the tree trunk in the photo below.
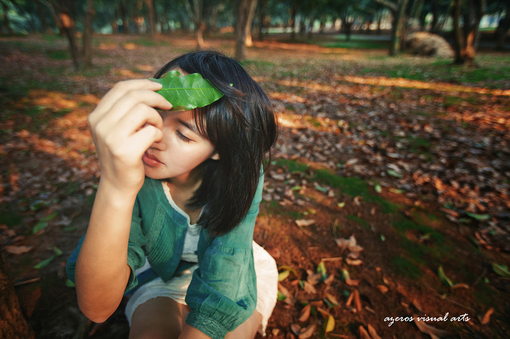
(435, 17)
(347, 29)
(503, 27)
(465, 44)
(12, 322)
(312, 20)
(65, 10)
(293, 14)
(252, 4)
(262, 18)
(87, 34)
(152, 19)
(42, 17)
(244, 18)
(397, 27)
(124, 17)
(195, 12)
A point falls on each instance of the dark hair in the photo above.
(241, 126)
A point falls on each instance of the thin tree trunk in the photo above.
(396, 31)
(435, 17)
(459, 39)
(249, 22)
(293, 14)
(42, 18)
(262, 18)
(152, 19)
(87, 34)
(241, 21)
(503, 27)
(12, 322)
(124, 17)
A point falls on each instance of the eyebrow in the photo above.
(188, 126)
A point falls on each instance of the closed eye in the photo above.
(183, 137)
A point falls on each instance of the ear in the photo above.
(215, 156)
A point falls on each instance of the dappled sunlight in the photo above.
(271, 44)
(437, 86)
(310, 122)
(127, 73)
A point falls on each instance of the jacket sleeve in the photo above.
(223, 291)
(136, 255)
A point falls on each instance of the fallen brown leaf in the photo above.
(305, 313)
(304, 222)
(18, 249)
(487, 317)
(357, 301)
(383, 289)
(363, 334)
(307, 332)
(373, 332)
(422, 326)
(295, 328)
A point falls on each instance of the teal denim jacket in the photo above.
(223, 291)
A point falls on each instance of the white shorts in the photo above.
(175, 288)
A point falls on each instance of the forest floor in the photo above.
(387, 195)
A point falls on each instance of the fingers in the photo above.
(144, 138)
(139, 116)
(121, 88)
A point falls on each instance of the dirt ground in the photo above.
(386, 197)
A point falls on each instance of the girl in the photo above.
(173, 218)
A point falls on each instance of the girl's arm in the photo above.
(124, 125)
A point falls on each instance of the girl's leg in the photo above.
(158, 318)
(248, 329)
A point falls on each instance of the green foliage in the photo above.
(187, 92)
(406, 268)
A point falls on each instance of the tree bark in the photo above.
(466, 39)
(252, 4)
(293, 14)
(503, 27)
(87, 34)
(435, 17)
(124, 17)
(65, 10)
(42, 18)
(152, 19)
(262, 19)
(244, 18)
(12, 321)
(397, 27)
(195, 12)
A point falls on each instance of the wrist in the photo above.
(120, 196)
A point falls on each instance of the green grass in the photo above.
(490, 69)
(58, 54)
(360, 221)
(350, 186)
(406, 268)
(357, 44)
(149, 42)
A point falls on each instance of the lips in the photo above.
(151, 160)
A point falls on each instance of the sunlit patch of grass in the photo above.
(148, 42)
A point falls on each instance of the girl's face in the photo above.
(180, 151)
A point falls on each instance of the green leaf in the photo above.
(187, 92)
(39, 226)
(291, 269)
(69, 283)
(378, 188)
(45, 262)
(49, 217)
(283, 275)
(322, 270)
(57, 251)
(281, 297)
(501, 270)
(443, 277)
(394, 174)
(479, 217)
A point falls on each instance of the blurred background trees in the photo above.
(456, 20)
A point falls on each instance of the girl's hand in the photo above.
(124, 125)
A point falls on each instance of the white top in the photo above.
(189, 251)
